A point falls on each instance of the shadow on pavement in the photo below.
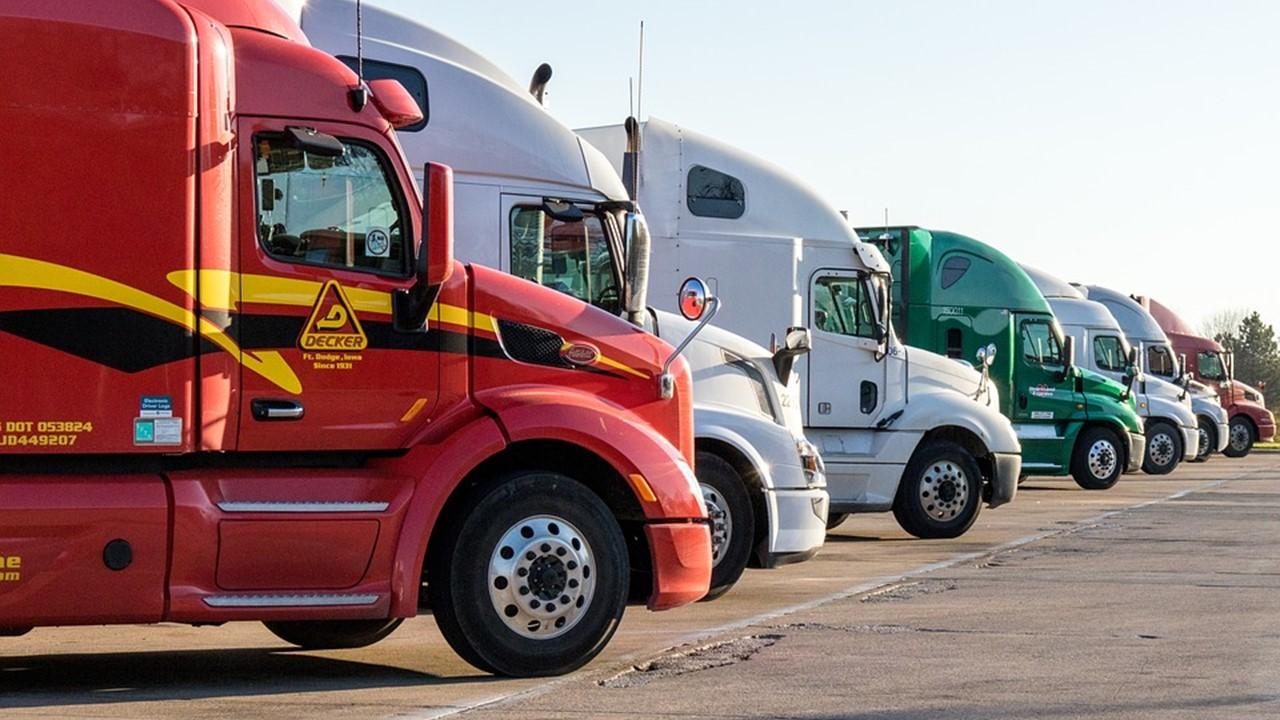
(76, 679)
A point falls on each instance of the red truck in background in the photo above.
(246, 379)
(1210, 363)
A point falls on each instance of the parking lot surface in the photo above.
(1157, 598)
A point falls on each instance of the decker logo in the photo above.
(333, 325)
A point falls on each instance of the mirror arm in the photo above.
(667, 381)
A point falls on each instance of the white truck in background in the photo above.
(1159, 360)
(1102, 346)
(900, 429)
(531, 198)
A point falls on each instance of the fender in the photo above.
(929, 410)
(629, 444)
(1165, 409)
(766, 438)
(439, 464)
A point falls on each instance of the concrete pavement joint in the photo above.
(858, 589)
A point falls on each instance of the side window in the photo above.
(1040, 344)
(1109, 352)
(331, 211)
(953, 268)
(572, 257)
(1160, 361)
(714, 194)
(1210, 366)
(841, 306)
(410, 77)
(955, 343)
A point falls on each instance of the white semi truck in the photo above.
(900, 429)
(1102, 346)
(1159, 360)
(531, 198)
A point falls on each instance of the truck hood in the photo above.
(1095, 383)
(1166, 390)
(931, 369)
(1246, 393)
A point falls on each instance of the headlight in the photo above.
(810, 459)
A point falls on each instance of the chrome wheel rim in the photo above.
(1160, 449)
(944, 491)
(1239, 437)
(542, 577)
(1102, 459)
(721, 522)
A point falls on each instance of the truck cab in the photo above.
(957, 296)
(534, 200)
(1210, 363)
(899, 429)
(1161, 362)
(257, 386)
(1101, 346)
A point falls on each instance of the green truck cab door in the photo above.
(1043, 399)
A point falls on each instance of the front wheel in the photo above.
(732, 521)
(939, 495)
(1097, 461)
(1164, 449)
(1241, 439)
(534, 578)
(332, 634)
(1208, 439)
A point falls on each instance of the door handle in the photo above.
(266, 409)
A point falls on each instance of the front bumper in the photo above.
(799, 519)
(1190, 443)
(1224, 436)
(1004, 481)
(681, 556)
(1267, 427)
(1137, 451)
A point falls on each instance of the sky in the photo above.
(1134, 145)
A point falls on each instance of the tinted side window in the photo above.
(712, 193)
(840, 305)
(1040, 344)
(1210, 366)
(1109, 352)
(410, 77)
(572, 257)
(333, 211)
(953, 268)
(1160, 361)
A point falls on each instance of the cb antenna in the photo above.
(359, 94)
(640, 80)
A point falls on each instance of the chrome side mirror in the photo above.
(695, 303)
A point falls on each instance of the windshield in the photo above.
(573, 256)
(1210, 363)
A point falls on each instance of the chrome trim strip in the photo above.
(1036, 431)
(311, 600)
(301, 507)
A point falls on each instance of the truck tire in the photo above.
(1241, 439)
(940, 493)
(332, 634)
(534, 578)
(1097, 461)
(732, 520)
(835, 520)
(1208, 439)
(1164, 448)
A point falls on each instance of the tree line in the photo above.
(1257, 354)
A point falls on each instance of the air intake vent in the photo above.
(530, 344)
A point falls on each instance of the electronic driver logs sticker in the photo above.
(377, 243)
(333, 325)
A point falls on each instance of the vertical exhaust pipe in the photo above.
(631, 160)
(538, 85)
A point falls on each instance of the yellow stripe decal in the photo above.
(413, 410)
(39, 275)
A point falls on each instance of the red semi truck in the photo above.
(1210, 363)
(246, 379)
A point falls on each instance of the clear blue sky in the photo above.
(1134, 144)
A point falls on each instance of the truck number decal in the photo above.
(43, 433)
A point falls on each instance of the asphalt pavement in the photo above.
(1154, 599)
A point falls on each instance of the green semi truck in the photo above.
(962, 298)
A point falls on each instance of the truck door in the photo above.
(1043, 399)
(326, 236)
(846, 380)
